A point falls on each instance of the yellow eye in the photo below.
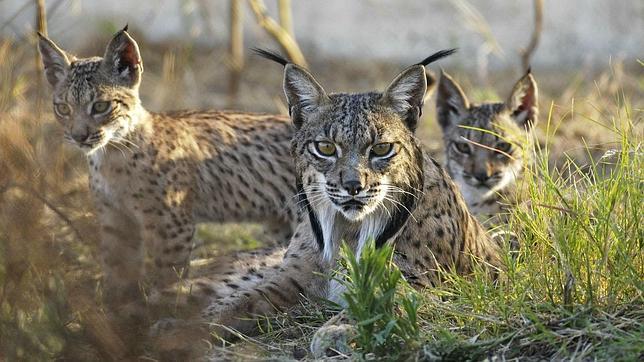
(381, 149)
(100, 107)
(62, 109)
(325, 148)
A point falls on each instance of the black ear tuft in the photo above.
(436, 56)
(271, 55)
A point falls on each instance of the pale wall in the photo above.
(575, 31)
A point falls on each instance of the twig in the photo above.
(285, 15)
(41, 27)
(236, 48)
(41, 17)
(526, 54)
(281, 35)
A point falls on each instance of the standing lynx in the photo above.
(487, 146)
(154, 176)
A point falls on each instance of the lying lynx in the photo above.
(362, 175)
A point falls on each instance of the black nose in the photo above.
(481, 176)
(353, 187)
(80, 137)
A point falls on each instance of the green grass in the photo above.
(575, 290)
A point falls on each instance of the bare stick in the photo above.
(285, 15)
(236, 48)
(41, 27)
(41, 17)
(526, 54)
(281, 35)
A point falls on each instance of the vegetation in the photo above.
(373, 301)
(574, 291)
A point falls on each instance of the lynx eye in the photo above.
(381, 149)
(62, 109)
(503, 147)
(100, 107)
(462, 147)
(325, 148)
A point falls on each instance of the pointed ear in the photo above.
(303, 93)
(432, 81)
(522, 103)
(451, 102)
(54, 59)
(406, 94)
(122, 60)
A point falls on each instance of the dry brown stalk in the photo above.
(281, 35)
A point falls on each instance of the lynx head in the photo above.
(357, 159)
(94, 98)
(486, 145)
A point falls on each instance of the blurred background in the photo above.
(585, 54)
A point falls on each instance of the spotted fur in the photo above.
(402, 197)
(488, 145)
(154, 176)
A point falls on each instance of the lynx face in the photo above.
(95, 99)
(356, 155)
(486, 145)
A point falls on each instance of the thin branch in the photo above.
(41, 17)
(526, 54)
(41, 27)
(236, 48)
(281, 35)
(285, 15)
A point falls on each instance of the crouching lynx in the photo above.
(153, 176)
(487, 146)
(361, 174)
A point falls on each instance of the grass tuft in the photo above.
(384, 307)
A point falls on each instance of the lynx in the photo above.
(487, 146)
(153, 176)
(361, 175)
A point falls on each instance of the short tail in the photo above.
(436, 56)
(271, 55)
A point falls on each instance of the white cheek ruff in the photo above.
(326, 217)
(326, 212)
(372, 226)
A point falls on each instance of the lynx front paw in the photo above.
(332, 339)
